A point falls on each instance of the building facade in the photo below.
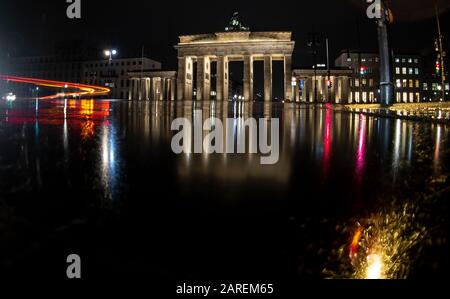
(114, 74)
(152, 85)
(76, 69)
(321, 85)
(365, 79)
(223, 47)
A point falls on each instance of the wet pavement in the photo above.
(99, 178)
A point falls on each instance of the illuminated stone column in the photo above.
(167, 92)
(164, 89)
(154, 89)
(288, 77)
(135, 89)
(222, 78)
(267, 78)
(158, 89)
(172, 89)
(305, 91)
(296, 97)
(147, 89)
(345, 89)
(310, 90)
(184, 80)
(203, 78)
(141, 89)
(248, 77)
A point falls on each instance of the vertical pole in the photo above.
(386, 76)
(441, 52)
(328, 69)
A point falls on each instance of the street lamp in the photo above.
(110, 54)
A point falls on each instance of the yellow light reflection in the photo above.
(375, 267)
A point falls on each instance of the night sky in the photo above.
(33, 27)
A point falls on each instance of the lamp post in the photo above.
(379, 11)
(313, 43)
(110, 54)
(441, 52)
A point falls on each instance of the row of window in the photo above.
(123, 63)
(406, 97)
(109, 83)
(435, 86)
(400, 83)
(361, 83)
(405, 83)
(377, 59)
(407, 71)
(362, 97)
(369, 97)
(406, 60)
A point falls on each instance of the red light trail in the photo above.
(84, 90)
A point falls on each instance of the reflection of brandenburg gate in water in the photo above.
(224, 47)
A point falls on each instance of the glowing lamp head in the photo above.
(107, 53)
(114, 52)
(11, 97)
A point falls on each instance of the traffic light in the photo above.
(438, 68)
(362, 70)
(330, 83)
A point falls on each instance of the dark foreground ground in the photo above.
(99, 179)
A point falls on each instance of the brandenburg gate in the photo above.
(223, 47)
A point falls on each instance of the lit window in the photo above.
(404, 83)
(411, 71)
(398, 83)
(410, 60)
(349, 59)
(405, 97)
(404, 71)
(434, 87)
(416, 71)
(417, 84)
(356, 82)
(397, 70)
(411, 84)
(425, 86)
(397, 60)
(364, 97)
